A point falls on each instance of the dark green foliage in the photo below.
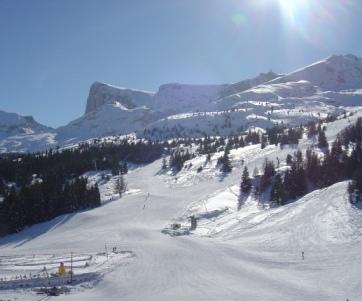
(277, 194)
(120, 185)
(178, 158)
(123, 168)
(252, 137)
(224, 162)
(322, 139)
(264, 141)
(291, 136)
(245, 185)
(42, 201)
(337, 165)
(269, 171)
(295, 181)
(312, 129)
(164, 164)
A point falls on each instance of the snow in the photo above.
(252, 254)
(337, 72)
(109, 119)
(328, 87)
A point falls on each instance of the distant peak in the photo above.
(341, 57)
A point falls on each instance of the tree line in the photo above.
(40, 186)
(342, 161)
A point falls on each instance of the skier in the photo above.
(303, 255)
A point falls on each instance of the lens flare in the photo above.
(317, 21)
(239, 20)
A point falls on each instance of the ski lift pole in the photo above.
(71, 267)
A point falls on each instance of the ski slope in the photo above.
(250, 254)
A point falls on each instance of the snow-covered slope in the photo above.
(249, 254)
(180, 98)
(248, 83)
(338, 72)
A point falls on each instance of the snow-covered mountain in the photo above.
(108, 119)
(101, 94)
(325, 87)
(22, 133)
(248, 83)
(14, 124)
(336, 73)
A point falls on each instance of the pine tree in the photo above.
(264, 141)
(164, 164)
(269, 171)
(322, 139)
(245, 185)
(124, 168)
(120, 185)
(226, 164)
(277, 194)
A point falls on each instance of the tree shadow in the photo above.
(28, 234)
(222, 175)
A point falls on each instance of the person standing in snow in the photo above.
(61, 269)
(302, 255)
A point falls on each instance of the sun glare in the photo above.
(292, 9)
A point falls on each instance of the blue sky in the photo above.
(52, 50)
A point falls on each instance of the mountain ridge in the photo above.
(197, 110)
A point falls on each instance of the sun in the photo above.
(292, 9)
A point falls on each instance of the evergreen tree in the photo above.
(226, 164)
(294, 181)
(264, 141)
(124, 168)
(120, 185)
(245, 185)
(269, 171)
(164, 164)
(322, 140)
(277, 194)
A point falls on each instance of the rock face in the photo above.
(107, 120)
(100, 94)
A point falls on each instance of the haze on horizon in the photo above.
(52, 51)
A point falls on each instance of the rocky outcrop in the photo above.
(100, 94)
